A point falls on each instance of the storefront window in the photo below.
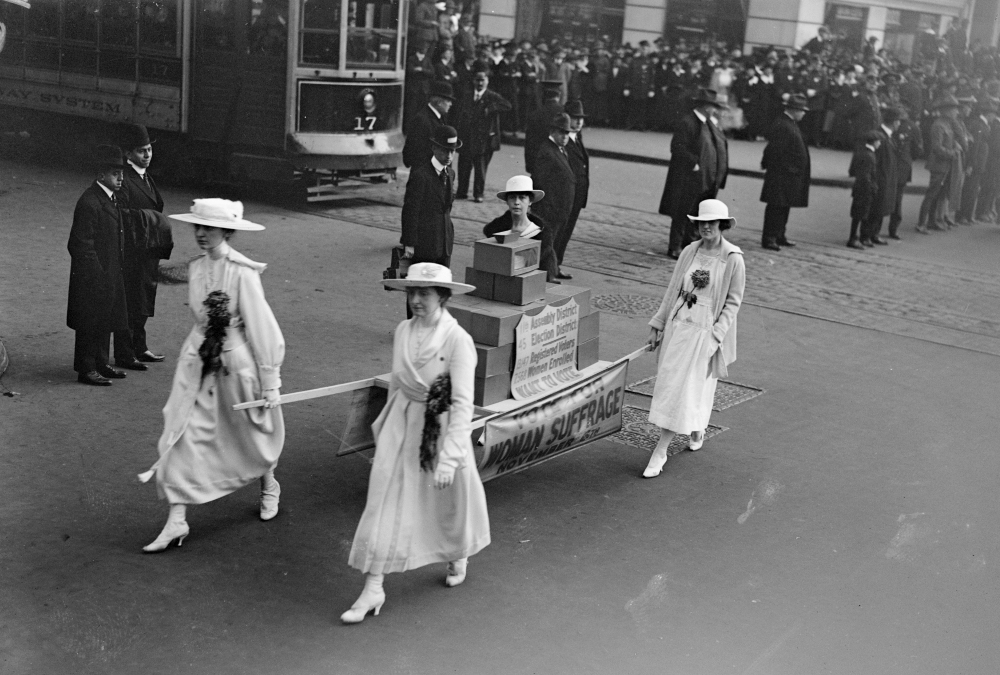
(320, 42)
(848, 22)
(215, 25)
(371, 33)
(158, 25)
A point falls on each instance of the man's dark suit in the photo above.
(886, 161)
(695, 144)
(979, 154)
(555, 176)
(426, 217)
(97, 305)
(579, 161)
(417, 148)
(145, 246)
(863, 114)
(479, 130)
(786, 181)
(536, 132)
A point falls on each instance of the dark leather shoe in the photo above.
(922, 229)
(896, 237)
(854, 243)
(879, 241)
(867, 242)
(771, 246)
(937, 227)
(562, 275)
(134, 365)
(149, 357)
(478, 200)
(786, 242)
(94, 378)
(112, 373)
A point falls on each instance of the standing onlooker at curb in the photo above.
(909, 144)
(428, 233)
(699, 164)
(538, 123)
(97, 305)
(979, 154)
(885, 179)
(554, 176)
(991, 180)
(863, 193)
(941, 153)
(579, 160)
(479, 130)
(788, 171)
(425, 123)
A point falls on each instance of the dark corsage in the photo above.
(438, 401)
(210, 351)
(699, 279)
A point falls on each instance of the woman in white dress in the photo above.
(426, 503)
(232, 355)
(696, 324)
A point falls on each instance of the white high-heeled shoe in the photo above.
(270, 490)
(655, 465)
(456, 572)
(693, 444)
(372, 598)
(172, 530)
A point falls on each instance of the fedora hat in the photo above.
(575, 109)
(521, 184)
(560, 122)
(708, 96)
(428, 274)
(442, 89)
(221, 213)
(108, 156)
(446, 137)
(135, 136)
(713, 209)
(797, 102)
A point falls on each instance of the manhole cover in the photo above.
(639, 432)
(626, 305)
(727, 394)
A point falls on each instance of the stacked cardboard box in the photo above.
(508, 286)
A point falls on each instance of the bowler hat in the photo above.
(442, 89)
(707, 96)
(797, 102)
(108, 157)
(575, 109)
(561, 122)
(446, 137)
(135, 136)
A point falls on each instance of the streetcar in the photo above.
(249, 91)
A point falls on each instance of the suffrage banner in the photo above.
(545, 350)
(586, 411)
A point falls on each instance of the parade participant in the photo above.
(787, 166)
(554, 175)
(696, 326)
(426, 503)
(425, 123)
(520, 194)
(428, 233)
(863, 170)
(699, 163)
(149, 242)
(97, 305)
(579, 160)
(232, 355)
(479, 131)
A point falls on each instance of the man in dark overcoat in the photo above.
(886, 168)
(942, 148)
(787, 173)
(536, 130)
(148, 240)
(425, 123)
(862, 113)
(579, 161)
(909, 144)
(97, 305)
(978, 126)
(479, 131)
(554, 175)
(428, 233)
(985, 207)
(699, 164)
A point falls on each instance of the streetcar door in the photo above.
(238, 74)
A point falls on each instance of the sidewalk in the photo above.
(829, 167)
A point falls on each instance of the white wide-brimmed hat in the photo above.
(521, 184)
(218, 213)
(713, 209)
(428, 274)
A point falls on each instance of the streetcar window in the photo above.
(12, 17)
(371, 33)
(268, 27)
(158, 25)
(80, 20)
(118, 21)
(215, 24)
(43, 19)
(320, 42)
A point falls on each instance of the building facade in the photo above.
(786, 24)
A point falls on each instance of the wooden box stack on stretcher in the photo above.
(508, 286)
